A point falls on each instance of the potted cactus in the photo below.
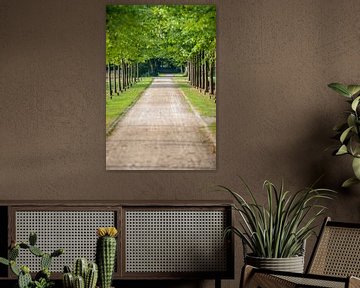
(106, 254)
(42, 278)
(84, 275)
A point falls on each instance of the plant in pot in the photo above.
(42, 278)
(276, 233)
(348, 133)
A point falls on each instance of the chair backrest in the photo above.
(337, 251)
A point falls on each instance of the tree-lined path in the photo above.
(160, 132)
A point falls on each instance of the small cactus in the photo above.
(79, 282)
(80, 268)
(106, 254)
(84, 274)
(91, 276)
(68, 280)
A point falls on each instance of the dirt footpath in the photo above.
(160, 132)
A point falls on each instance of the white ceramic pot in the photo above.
(291, 264)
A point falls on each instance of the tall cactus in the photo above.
(106, 254)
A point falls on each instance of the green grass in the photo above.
(205, 105)
(118, 105)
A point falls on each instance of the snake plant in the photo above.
(279, 228)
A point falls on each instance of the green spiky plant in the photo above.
(280, 228)
(106, 254)
(85, 275)
(348, 133)
(42, 278)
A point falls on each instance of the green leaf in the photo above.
(355, 103)
(356, 167)
(14, 268)
(342, 150)
(353, 89)
(349, 182)
(345, 134)
(351, 120)
(4, 261)
(340, 88)
(354, 145)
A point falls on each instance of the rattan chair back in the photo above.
(337, 252)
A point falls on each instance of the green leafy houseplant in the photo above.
(349, 132)
(279, 229)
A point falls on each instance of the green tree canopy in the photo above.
(137, 33)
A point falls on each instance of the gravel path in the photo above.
(160, 132)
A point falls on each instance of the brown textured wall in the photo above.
(275, 113)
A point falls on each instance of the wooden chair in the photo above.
(334, 263)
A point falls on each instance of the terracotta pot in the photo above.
(291, 264)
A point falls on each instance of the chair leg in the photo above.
(246, 273)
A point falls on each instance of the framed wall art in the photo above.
(160, 87)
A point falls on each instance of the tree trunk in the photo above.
(109, 76)
(193, 64)
(212, 89)
(128, 75)
(206, 88)
(188, 70)
(151, 68)
(203, 72)
(199, 71)
(119, 78)
(134, 72)
(115, 78)
(196, 71)
(191, 71)
(124, 75)
(137, 71)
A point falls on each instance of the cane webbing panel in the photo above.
(74, 231)
(338, 252)
(313, 282)
(267, 280)
(174, 241)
